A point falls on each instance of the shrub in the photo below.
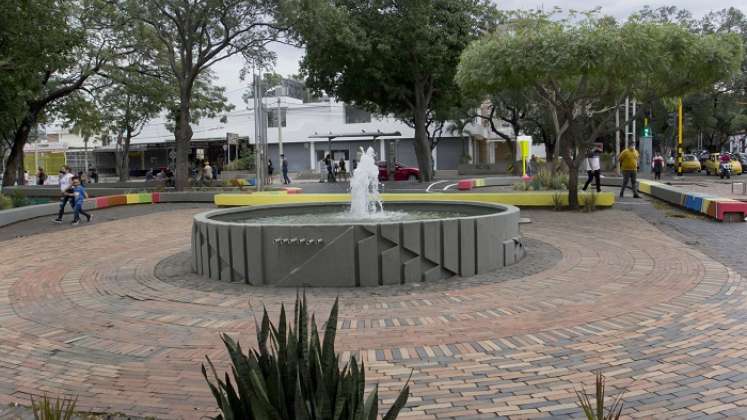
(597, 411)
(294, 376)
(590, 202)
(5, 202)
(557, 200)
(521, 186)
(19, 198)
(546, 179)
(61, 409)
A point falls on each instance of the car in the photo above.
(690, 163)
(714, 160)
(401, 172)
(742, 158)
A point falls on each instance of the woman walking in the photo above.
(658, 165)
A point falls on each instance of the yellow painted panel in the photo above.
(644, 186)
(133, 198)
(529, 199)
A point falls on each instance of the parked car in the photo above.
(690, 163)
(401, 173)
(742, 158)
(713, 164)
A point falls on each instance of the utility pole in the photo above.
(627, 120)
(617, 139)
(679, 136)
(258, 117)
(278, 92)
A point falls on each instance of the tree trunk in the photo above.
(422, 146)
(549, 150)
(183, 135)
(14, 164)
(123, 162)
(572, 165)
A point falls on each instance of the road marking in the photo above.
(432, 184)
(449, 186)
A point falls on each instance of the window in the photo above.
(272, 117)
(355, 115)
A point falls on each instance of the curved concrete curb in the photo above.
(20, 214)
(719, 208)
(374, 253)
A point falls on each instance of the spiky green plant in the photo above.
(597, 411)
(292, 375)
(60, 409)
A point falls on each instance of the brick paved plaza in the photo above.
(121, 322)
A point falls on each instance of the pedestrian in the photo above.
(330, 169)
(207, 173)
(149, 175)
(658, 165)
(629, 165)
(532, 166)
(79, 194)
(593, 169)
(284, 167)
(41, 177)
(66, 184)
(343, 170)
(93, 175)
(270, 170)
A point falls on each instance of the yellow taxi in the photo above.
(711, 165)
(690, 163)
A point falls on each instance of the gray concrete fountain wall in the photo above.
(358, 254)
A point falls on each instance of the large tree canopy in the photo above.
(51, 49)
(391, 57)
(185, 38)
(583, 68)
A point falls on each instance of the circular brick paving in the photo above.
(110, 313)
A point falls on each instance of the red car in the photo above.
(401, 173)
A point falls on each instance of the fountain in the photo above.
(364, 187)
(335, 245)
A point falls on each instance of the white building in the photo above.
(304, 126)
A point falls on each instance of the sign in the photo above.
(525, 146)
(200, 154)
(172, 155)
(232, 138)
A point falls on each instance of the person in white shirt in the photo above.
(593, 169)
(66, 184)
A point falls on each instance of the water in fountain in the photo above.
(364, 187)
(365, 204)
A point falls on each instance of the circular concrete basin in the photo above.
(420, 242)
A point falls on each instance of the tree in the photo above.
(582, 68)
(43, 68)
(190, 37)
(716, 112)
(390, 57)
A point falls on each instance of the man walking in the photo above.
(593, 169)
(284, 166)
(66, 183)
(629, 165)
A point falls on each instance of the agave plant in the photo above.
(292, 375)
(60, 409)
(597, 411)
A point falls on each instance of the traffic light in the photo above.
(646, 128)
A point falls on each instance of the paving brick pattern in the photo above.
(122, 325)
